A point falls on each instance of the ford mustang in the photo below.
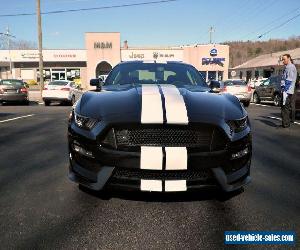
(157, 127)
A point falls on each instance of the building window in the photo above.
(212, 75)
(73, 74)
(248, 75)
(220, 75)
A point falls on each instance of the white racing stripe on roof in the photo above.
(176, 112)
(152, 111)
(176, 158)
(16, 118)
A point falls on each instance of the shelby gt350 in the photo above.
(157, 127)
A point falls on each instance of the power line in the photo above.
(278, 26)
(253, 12)
(89, 9)
(270, 23)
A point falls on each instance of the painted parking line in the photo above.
(16, 118)
(263, 105)
(277, 118)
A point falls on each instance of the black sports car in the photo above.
(157, 127)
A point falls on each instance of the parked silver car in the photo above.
(13, 90)
(239, 88)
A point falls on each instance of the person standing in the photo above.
(288, 87)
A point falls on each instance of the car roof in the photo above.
(154, 61)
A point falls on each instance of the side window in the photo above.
(266, 82)
(191, 78)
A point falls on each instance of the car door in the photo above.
(261, 90)
(269, 89)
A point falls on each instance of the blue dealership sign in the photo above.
(215, 60)
(213, 52)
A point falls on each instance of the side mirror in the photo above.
(216, 90)
(96, 82)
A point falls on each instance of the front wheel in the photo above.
(256, 98)
(277, 100)
(47, 103)
(73, 100)
(246, 104)
(102, 194)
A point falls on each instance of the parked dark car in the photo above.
(269, 90)
(13, 90)
(297, 96)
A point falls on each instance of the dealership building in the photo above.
(102, 52)
(265, 65)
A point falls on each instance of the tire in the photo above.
(102, 194)
(246, 104)
(26, 103)
(47, 103)
(73, 100)
(225, 196)
(256, 98)
(277, 100)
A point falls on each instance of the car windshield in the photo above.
(155, 73)
(235, 83)
(12, 82)
(59, 83)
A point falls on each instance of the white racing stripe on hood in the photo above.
(176, 158)
(152, 111)
(151, 158)
(175, 106)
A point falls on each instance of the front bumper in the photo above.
(245, 97)
(55, 99)
(113, 168)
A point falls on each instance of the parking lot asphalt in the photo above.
(40, 208)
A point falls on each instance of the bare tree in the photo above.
(17, 44)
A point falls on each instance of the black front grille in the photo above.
(137, 174)
(163, 137)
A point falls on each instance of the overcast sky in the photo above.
(174, 23)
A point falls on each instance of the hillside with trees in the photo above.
(241, 51)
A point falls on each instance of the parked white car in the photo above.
(256, 82)
(61, 91)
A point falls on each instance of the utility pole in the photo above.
(40, 42)
(8, 36)
(211, 30)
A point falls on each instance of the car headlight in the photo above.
(84, 122)
(238, 125)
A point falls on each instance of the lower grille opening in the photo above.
(203, 174)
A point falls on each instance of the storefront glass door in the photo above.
(58, 75)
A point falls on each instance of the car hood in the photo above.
(124, 104)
